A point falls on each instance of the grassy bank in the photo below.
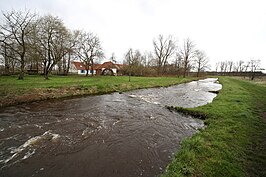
(234, 142)
(33, 88)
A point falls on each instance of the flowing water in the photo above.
(128, 134)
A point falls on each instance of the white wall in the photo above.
(85, 71)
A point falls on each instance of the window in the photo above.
(82, 71)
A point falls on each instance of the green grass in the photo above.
(234, 141)
(14, 91)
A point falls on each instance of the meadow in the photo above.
(234, 140)
(35, 88)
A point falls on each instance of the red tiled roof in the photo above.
(96, 66)
(79, 65)
(108, 64)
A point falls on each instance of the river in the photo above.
(128, 134)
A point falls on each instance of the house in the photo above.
(77, 67)
(107, 68)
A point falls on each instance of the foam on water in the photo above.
(30, 143)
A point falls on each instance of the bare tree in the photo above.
(129, 60)
(52, 35)
(254, 65)
(71, 44)
(34, 58)
(225, 66)
(230, 65)
(13, 34)
(89, 49)
(135, 62)
(217, 64)
(201, 61)
(7, 57)
(178, 63)
(164, 48)
(187, 53)
(239, 66)
(222, 66)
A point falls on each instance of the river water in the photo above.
(128, 134)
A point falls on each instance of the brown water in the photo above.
(129, 134)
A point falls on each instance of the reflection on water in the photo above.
(130, 134)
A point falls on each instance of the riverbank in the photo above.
(234, 142)
(35, 88)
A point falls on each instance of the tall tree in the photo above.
(201, 61)
(187, 52)
(52, 36)
(164, 48)
(89, 49)
(14, 32)
(71, 44)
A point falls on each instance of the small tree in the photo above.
(217, 64)
(187, 52)
(239, 66)
(129, 60)
(254, 65)
(230, 66)
(201, 61)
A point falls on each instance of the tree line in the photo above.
(28, 40)
(167, 58)
(33, 42)
(239, 67)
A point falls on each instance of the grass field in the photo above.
(234, 141)
(33, 88)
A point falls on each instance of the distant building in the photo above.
(107, 68)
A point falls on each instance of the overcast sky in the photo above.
(225, 30)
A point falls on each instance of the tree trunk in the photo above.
(64, 66)
(45, 72)
(37, 67)
(185, 70)
(92, 67)
(68, 64)
(46, 76)
(7, 69)
(87, 72)
(6, 63)
(198, 72)
(21, 74)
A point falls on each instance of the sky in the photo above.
(226, 29)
